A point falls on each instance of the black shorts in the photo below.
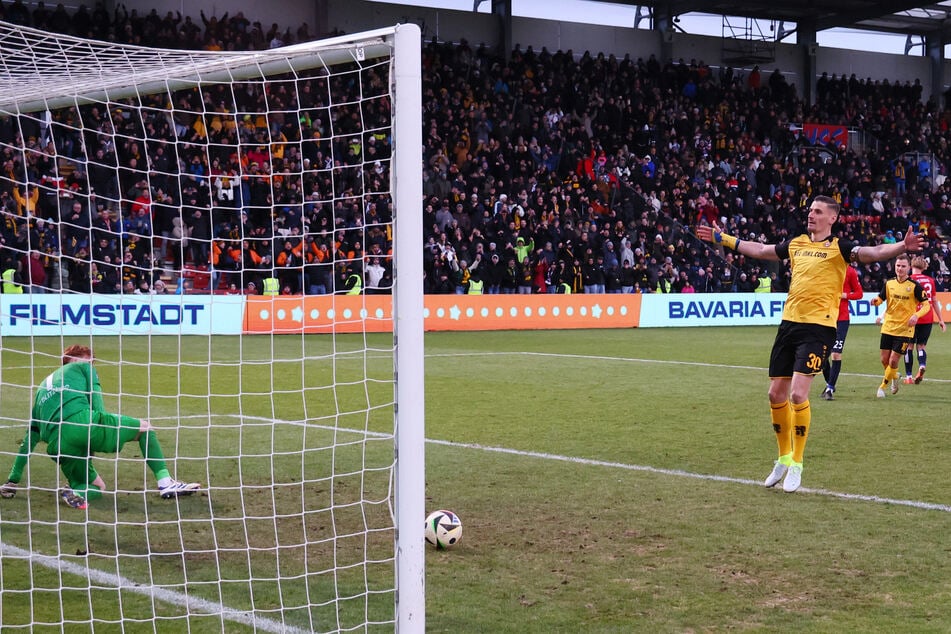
(800, 349)
(893, 343)
(922, 334)
(841, 332)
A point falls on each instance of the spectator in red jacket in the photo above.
(34, 272)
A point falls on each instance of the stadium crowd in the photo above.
(543, 172)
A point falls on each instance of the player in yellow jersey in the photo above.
(903, 296)
(818, 261)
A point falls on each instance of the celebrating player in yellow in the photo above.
(818, 261)
(907, 303)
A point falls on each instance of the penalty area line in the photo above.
(679, 473)
(191, 605)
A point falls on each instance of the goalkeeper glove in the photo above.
(726, 240)
(9, 489)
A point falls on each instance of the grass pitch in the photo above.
(608, 481)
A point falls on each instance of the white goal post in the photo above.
(237, 236)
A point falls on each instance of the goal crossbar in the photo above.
(40, 70)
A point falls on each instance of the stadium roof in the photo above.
(906, 17)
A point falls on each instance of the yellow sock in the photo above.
(890, 373)
(781, 414)
(801, 418)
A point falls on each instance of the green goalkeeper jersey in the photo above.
(69, 390)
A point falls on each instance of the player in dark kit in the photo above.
(807, 332)
(851, 289)
(923, 328)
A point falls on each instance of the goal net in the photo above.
(224, 231)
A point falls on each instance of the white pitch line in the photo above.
(593, 357)
(680, 473)
(192, 604)
(929, 506)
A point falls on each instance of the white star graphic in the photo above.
(454, 313)
(596, 311)
(297, 314)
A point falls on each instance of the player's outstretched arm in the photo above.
(756, 250)
(882, 252)
(936, 307)
(30, 440)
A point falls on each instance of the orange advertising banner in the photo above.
(374, 313)
(944, 300)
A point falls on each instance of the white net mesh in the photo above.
(148, 197)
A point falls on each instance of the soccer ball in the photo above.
(443, 529)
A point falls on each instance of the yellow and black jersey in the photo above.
(818, 272)
(903, 299)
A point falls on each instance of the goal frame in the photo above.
(409, 410)
(93, 79)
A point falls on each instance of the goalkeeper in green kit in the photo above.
(69, 416)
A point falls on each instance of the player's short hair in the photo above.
(903, 256)
(919, 262)
(76, 353)
(826, 200)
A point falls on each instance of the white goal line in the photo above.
(189, 604)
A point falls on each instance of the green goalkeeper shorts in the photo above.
(88, 432)
(72, 442)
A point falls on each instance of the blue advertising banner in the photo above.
(731, 309)
(71, 315)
